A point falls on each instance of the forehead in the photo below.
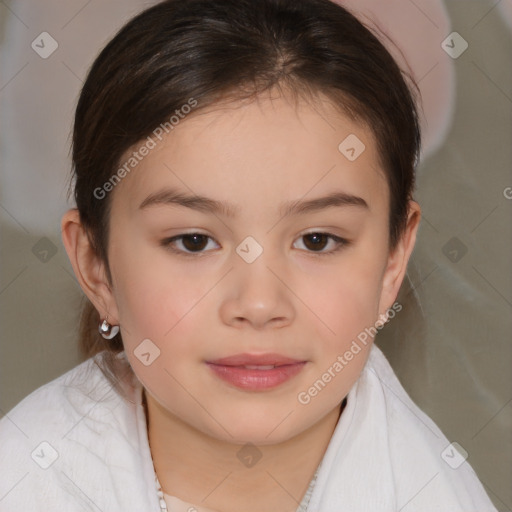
(257, 153)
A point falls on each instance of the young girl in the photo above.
(243, 174)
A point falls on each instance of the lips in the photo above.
(259, 361)
(256, 372)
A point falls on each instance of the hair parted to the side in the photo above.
(212, 50)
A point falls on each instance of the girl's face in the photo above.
(252, 182)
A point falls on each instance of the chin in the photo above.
(266, 429)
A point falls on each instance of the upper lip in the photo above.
(255, 360)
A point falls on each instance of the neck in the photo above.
(212, 473)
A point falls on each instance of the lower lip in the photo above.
(256, 380)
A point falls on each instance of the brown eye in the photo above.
(187, 243)
(316, 242)
(194, 242)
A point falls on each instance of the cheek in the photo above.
(346, 306)
(343, 298)
(154, 296)
(158, 308)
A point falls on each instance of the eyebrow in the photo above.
(172, 197)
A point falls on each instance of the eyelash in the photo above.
(167, 244)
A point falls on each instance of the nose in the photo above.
(257, 295)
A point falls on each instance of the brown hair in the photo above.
(236, 49)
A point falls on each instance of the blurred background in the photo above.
(450, 345)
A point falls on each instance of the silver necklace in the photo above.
(302, 507)
(160, 493)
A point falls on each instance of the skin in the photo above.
(292, 300)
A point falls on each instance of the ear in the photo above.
(398, 259)
(88, 268)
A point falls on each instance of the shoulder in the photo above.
(63, 400)
(428, 467)
(66, 436)
(48, 404)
